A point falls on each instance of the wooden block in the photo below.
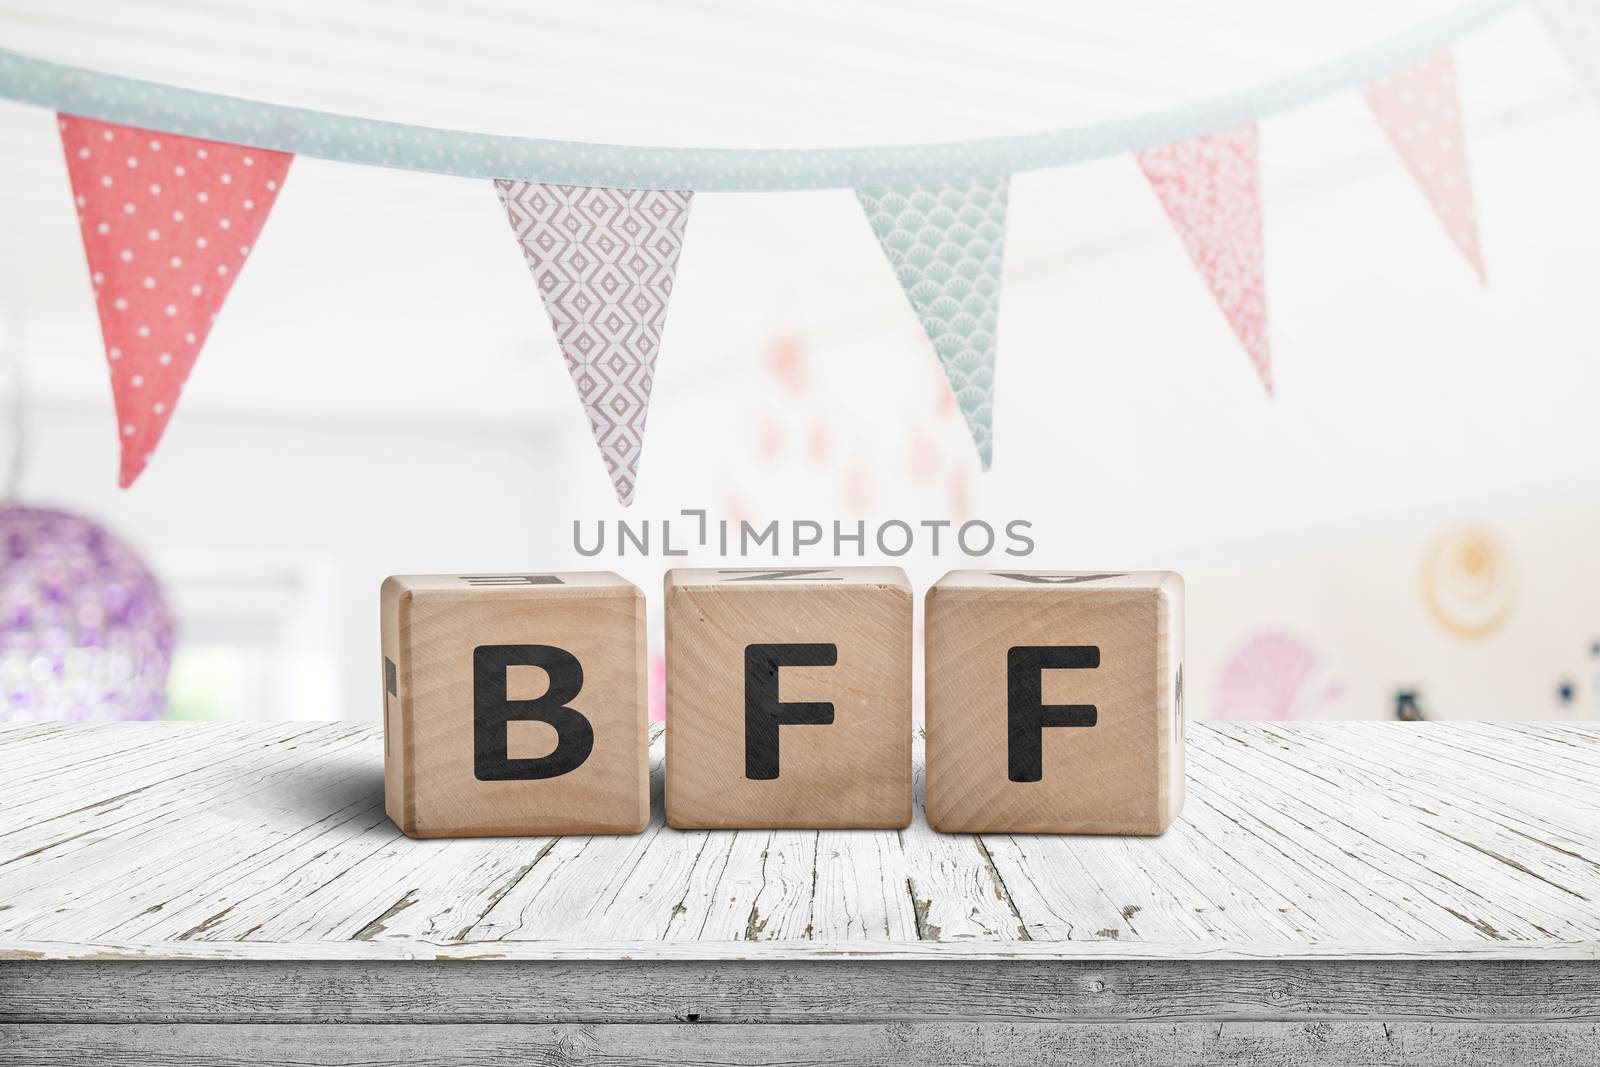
(1054, 702)
(789, 698)
(514, 704)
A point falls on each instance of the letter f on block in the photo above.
(1026, 712)
(763, 713)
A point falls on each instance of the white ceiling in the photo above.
(713, 72)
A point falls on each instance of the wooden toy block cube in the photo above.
(788, 698)
(1054, 702)
(514, 704)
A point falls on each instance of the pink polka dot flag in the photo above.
(1420, 109)
(1210, 187)
(167, 225)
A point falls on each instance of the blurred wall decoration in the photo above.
(1274, 675)
(1468, 582)
(1500, 619)
(84, 628)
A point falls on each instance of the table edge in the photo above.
(556, 951)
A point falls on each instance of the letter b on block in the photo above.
(514, 704)
(493, 712)
(788, 698)
(1054, 702)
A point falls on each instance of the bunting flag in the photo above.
(1420, 109)
(1210, 187)
(946, 244)
(604, 261)
(167, 224)
(1574, 25)
(168, 219)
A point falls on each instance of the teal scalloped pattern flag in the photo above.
(946, 243)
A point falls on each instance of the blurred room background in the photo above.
(1407, 529)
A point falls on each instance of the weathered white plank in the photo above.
(580, 880)
(1495, 817)
(1467, 883)
(1300, 841)
(184, 894)
(784, 991)
(444, 902)
(798, 949)
(936, 1044)
(116, 778)
(954, 888)
(763, 891)
(122, 849)
(1339, 897)
(862, 890)
(703, 886)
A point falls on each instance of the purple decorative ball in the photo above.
(84, 629)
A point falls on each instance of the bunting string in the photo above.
(215, 117)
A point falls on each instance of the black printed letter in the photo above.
(763, 714)
(491, 711)
(1028, 714)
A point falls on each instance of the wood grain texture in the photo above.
(1332, 894)
(1315, 842)
(1100, 654)
(778, 991)
(849, 767)
(937, 1044)
(444, 637)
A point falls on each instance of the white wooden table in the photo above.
(1338, 893)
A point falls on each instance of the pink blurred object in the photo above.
(84, 628)
(657, 700)
(769, 445)
(735, 506)
(960, 496)
(924, 461)
(858, 491)
(1420, 109)
(821, 441)
(789, 365)
(1273, 675)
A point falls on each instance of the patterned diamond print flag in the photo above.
(1574, 25)
(1210, 187)
(167, 223)
(946, 244)
(1420, 110)
(604, 262)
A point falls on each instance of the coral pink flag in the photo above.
(1211, 189)
(167, 223)
(1420, 109)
